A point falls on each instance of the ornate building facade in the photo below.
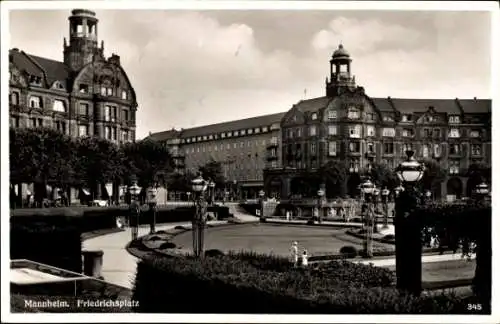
(349, 126)
(84, 95)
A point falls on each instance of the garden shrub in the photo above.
(213, 253)
(167, 245)
(188, 285)
(348, 251)
(180, 227)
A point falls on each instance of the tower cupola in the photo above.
(340, 72)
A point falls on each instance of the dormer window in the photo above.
(35, 80)
(454, 120)
(250, 131)
(265, 129)
(84, 88)
(454, 133)
(205, 137)
(314, 116)
(211, 137)
(406, 118)
(332, 114)
(243, 132)
(59, 105)
(106, 91)
(257, 130)
(388, 118)
(353, 113)
(124, 95)
(430, 119)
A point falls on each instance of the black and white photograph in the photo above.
(255, 161)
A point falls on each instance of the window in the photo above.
(454, 133)
(407, 132)
(60, 126)
(14, 122)
(83, 88)
(249, 143)
(388, 148)
(454, 149)
(222, 147)
(332, 130)
(437, 150)
(274, 164)
(36, 102)
(107, 114)
(355, 131)
(264, 129)
(406, 147)
(229, 134)
(436, 133)
(109, 91)
(425, 151)
(210, 148)
(107, 132)
(242, 144)
(354, 166)
(332, 114)
(14, 98)
(59, 106)
(474, 133)
(370, 147)
(83, 130)
(354, 147)
(243, 132)
(210, 137)
(83, 109)
(235, 145)
(125, 136)
(454, 167)
(124, 95)
(332, 148)
(235, 133)
(406, 118)
(223, 135)
(388, 132)
(256, 130)
(205, 137)
(454, 119)
(250, 131)
(203, 148)
(370, 130)
(476, 149)
(125, 114)
(312, 130)
(35, 80)
(388, 118)
(427, 132)
(299, 132)
(370, 116)
(314, 116)
(313, 148)
(430, 119)
(353, 113)
(228, 146)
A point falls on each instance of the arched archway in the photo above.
(299, 186)
(454, 187)
(274, 187)
(353, 182)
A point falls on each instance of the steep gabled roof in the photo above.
(422, 105)
(314, 104)
(36, 65)
(252, 122)
(165, 135)
(480, 106)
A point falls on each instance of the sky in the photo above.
(191, 68)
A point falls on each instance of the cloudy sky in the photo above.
(192, 68)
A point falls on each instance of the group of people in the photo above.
(294, 250)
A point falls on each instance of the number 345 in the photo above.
(476, 307)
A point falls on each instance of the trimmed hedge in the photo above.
(52, 240)
(250, 283)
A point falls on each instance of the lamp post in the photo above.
(211, 185)
(367, 189)
(134, 209)
(428, 195)
(385, 202)
(320, 194)
(262, 193)
(151, 196)
(407, 228)
(376, 197)
(199, 186)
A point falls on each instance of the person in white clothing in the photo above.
(305, 258)
(294, 251)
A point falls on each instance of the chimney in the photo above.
(114, 59)
(475, 98)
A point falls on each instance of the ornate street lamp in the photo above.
(199, 186)
(482, 191)
(320, 194)
(385, 202)
(368, 189)
(428, 195)
(262, 194)
(407, 228)
(134, 209)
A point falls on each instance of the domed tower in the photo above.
(340, 72)
(82, 48)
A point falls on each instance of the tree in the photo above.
(334, 175)
(149, 160)
(179, 182)
(477, 173)
(434, 175)
(213, 170)
(383, 176)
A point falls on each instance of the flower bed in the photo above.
(252, 283)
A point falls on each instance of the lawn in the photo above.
(275, 239)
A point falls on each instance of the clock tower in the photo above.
(340, 73)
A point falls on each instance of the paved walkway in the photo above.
(391, 262)
(119, 266)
